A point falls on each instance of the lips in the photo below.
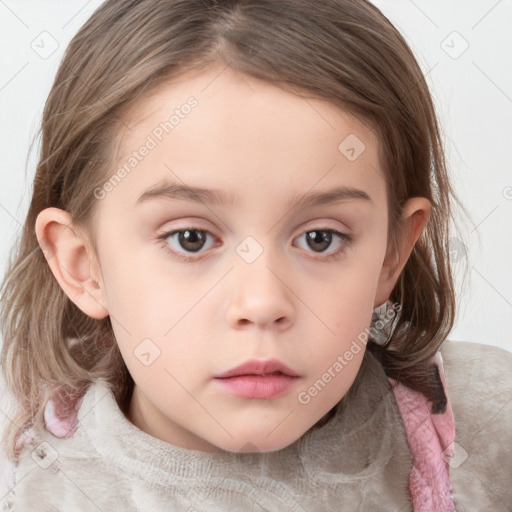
(264, 387)
(257, 379)
(259, 367)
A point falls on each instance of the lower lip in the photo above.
(257, 386)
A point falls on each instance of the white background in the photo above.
(472, 90)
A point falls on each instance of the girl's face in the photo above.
(241, 222)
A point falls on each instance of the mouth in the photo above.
(254, 375)
(263, 386)
(258, 386)
(258, 379)
(262, 368)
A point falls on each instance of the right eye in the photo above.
(186, 241)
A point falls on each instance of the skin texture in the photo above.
(207, 315)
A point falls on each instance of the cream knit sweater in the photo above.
(359, 460)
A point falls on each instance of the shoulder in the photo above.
(469, 352)
(477, 374)
(51, 469)
(479, 387)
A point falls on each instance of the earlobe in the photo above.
(70, 261)
(415, 215)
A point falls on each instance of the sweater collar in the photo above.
(362, 442)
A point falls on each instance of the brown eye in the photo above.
(319, 240)
(183, 242)
(192, 240)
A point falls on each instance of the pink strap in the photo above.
(431, 440)
(61, 427)
(55, 422)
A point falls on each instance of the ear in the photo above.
(416, 212)
(71, 261)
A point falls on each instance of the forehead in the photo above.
(225, 129)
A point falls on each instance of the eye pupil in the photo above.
(323, 238)
(192, 240)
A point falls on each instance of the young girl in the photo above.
(233, 290)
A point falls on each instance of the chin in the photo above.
(256, 443)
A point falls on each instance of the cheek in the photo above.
(157, 311)
(135, 285)
(347, 303)
(352, 283)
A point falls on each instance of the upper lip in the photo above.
(258, 367)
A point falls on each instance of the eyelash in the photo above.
(347, 240)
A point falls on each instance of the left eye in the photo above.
(320, 239)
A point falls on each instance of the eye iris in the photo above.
(323, 238)
(192, 240)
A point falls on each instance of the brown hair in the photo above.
(344, 51)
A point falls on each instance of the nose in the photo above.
(260, 297)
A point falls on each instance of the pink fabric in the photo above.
(430, 436)
(431, 440)
(65, 427)
(55, 422)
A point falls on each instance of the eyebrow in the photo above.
(173, 191)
